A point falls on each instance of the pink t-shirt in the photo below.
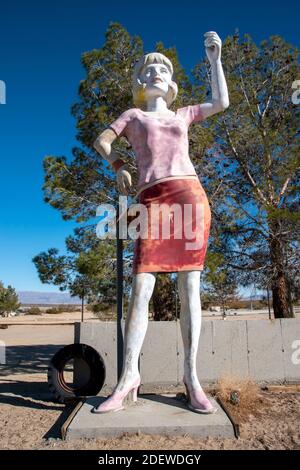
(160, 145)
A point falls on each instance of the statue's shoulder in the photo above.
(183, 110)
(131, 113)
(134, 111)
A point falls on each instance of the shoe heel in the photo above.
(134, 393)
(187, 392)
(131, 396)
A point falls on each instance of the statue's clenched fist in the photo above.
(124, 180)
(213, 46)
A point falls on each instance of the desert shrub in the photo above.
(235, 304)
(55, 310)
(241, 396)
(69, 308)
(63, 309)
(262, 303)
(99, 307)
(103, 311)
(33, 311)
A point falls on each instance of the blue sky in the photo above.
(40, 48)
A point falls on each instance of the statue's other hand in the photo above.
(213, 46)
(124, 180)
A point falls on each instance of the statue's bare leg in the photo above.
(136, 326)
(135, 330)
(190, 324)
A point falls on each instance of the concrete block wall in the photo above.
(265, 350)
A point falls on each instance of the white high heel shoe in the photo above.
(198, 401)
(115, 401)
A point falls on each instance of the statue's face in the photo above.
(157, 78)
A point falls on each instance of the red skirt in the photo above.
(176, 232)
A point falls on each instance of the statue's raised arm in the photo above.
(220, 100)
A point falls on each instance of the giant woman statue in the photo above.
(159, 138)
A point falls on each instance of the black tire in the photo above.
(93, 364)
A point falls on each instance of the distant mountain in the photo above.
(31, 297)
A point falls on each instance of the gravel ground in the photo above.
(30, 420)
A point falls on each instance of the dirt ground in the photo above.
(32, 420)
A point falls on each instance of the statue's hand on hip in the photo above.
(213, 46)
(124, 180)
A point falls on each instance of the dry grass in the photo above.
(242, 397)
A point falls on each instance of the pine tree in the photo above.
(9, 301)
(255, 156)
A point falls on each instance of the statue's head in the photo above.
(144, 85)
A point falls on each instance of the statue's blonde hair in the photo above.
(138, 86)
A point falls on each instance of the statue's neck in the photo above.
(156, 104)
